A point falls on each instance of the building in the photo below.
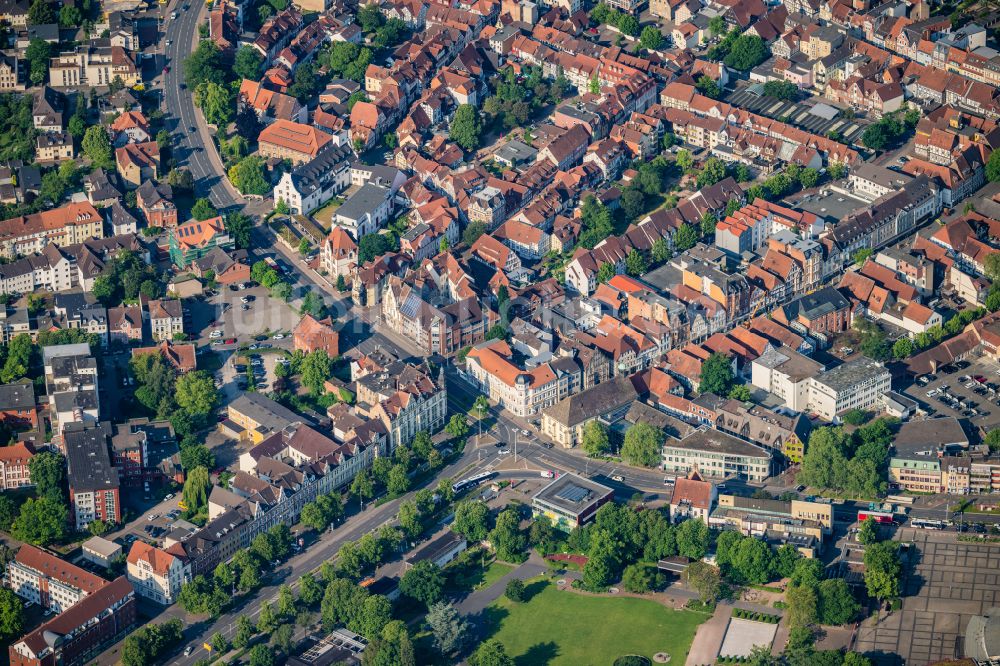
(824, 311)
(71, 383)
(191, 241)
(138, 162)
(858, 384)
(101, 552)
(444, 329)
(146, 451)
(254, 417)
(155, 200)
(91, 65)
(54, 147)
(716, 454)
(284, 139)
(785, 373)
(67, 225)
(15, 471)
(166, 318)
(570, 501)
(565, 421)
(439, 551)
(693, 497)
(51, 582)
(308, 186)
(76, 636)
(917, 460)
(156, 574)
(312, 334)
(404, 399)
(338, 254)
(801, 523)
(93, 482)
(365, 211)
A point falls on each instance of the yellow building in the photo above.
(254, 417)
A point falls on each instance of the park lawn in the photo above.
(564, 628)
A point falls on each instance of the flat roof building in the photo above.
(716, 454)
(570, 501)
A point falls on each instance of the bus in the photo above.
(472, 481)
(880, 517)
(929, 524)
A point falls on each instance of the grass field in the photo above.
(563, 628)
(494, 572)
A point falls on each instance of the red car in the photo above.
(230, 341)
(166, 69)
(980, 379)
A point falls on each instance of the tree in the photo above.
(216, 102)
(808, 178)
(628, 25)
(203, 210)
(472, 520)
(633, 202)
(204, 64)
(260, 655)
(825, 463)
(506, 537)
(642, 445)
(693, 539)
(374, 614)
(781, 90)
(605, 272)
(466, 127)
(450, 630)
(716, 375)
(248, 177)
(785, 560)
(317, 367)
(370, 17)
(639, 578)
(423, 582)
(882, 570)
(196, 393)
(41, 521)
(196, 488)
(868, 532)
(650, 38)
(491, 652)
(808, 571)
(704, 579)
(244, 632)
(362, 486)
(595, 438)
(685, 238)
(803, 605)
(660, 251)
(635, 263)
(992, 440)
(747, 52)
(398, 482)
(836, 603)
(457, 426)
(40, 12)
(247, 63)
(515, 590)
(752, 561)
(37, 55)
(97, 146)
(11, 615)
(902, 349)
(473, 232)
(993, 167)
(48, 473)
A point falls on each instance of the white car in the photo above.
(168, 496)
(618, 477)
(215, 334)
(278, 336)
(244, 299)
(547, 474)
(504, 452)
(152, 516)
(188, 650)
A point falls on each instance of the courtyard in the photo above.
(561, 627)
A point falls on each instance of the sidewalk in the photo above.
(708, 638)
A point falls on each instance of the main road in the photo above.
(192, 143)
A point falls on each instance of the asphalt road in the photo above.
(192, 144)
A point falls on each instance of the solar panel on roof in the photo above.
(573, 494)
(410, 306)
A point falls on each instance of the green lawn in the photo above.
(563, 628)
(494, 572)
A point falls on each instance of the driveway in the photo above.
(475, 603)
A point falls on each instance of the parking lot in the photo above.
(967, 390)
